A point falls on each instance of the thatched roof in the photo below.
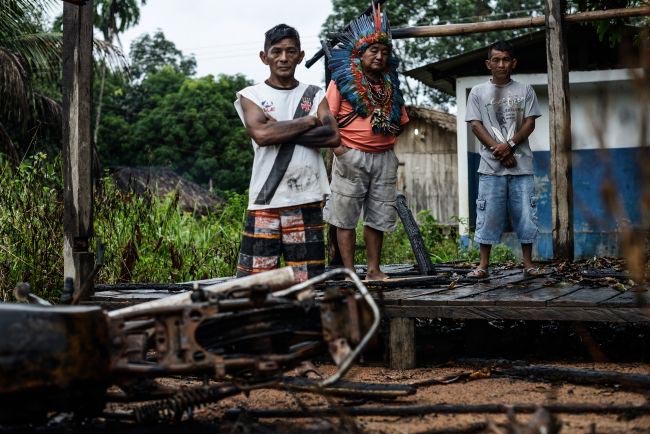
(162, 181)
(442, 119)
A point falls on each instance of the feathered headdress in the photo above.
(345, 65)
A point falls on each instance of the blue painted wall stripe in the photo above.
(595, 225)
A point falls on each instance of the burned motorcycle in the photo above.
(244, 334)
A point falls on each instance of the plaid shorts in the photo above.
(294, 232)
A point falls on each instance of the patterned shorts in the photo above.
(293, 232)
(363, 181)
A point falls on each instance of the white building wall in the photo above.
(613, 106)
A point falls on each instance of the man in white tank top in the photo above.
(288, 122)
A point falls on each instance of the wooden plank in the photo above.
(568, 313)
(585, 297)
(560, 132)
(521, 295)
(455, 295)
(513, 291)
(637, 296)
(77, 143)
(407, 282)
(396, 296)
(415, 237)
(402, 343)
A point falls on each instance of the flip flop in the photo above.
(376, 280)
(533, 271)
(478, 273)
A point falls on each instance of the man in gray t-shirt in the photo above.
(502, 114)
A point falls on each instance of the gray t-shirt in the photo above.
(502, 109)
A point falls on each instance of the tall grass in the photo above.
(150, 239)
(146, 238)
(31, 228)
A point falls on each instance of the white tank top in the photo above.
(305, 180)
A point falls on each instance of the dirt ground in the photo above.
(508, 391)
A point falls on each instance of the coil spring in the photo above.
(173, 408)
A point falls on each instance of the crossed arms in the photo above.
(314, 131)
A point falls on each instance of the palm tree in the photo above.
(27, 51)
(113, 17)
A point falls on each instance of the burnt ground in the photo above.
(459, 363)
(448, 351)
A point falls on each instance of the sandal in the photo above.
(533, 272)
(478, 273)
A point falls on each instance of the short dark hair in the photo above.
(501, 46)
(279, 32)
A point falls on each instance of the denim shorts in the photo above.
(363, 181)
(500, 196)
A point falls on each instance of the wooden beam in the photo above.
(513, 23)
(415, 237)
(401, 343)
(559, 126)
(77, 141)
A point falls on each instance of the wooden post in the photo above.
(559, 125)
(77, 141)
(401, 343)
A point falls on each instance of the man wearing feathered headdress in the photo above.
(364, 96)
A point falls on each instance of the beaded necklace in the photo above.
(381, 102)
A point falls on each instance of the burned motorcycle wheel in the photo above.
(52, 359)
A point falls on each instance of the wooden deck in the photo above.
(577, 295)
(509, 295)
(574, 295)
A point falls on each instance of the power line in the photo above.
(256, 43)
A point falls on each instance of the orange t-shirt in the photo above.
(358, 134)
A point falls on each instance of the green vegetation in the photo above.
(161, 116)
(441, 241)
(150, 239)
(31, 229)
(147, 239)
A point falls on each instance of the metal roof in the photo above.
(586, 52)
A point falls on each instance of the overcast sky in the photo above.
(227, 36)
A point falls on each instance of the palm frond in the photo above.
(111, 55)
(14, 87)
(48, 110)
(41, 51)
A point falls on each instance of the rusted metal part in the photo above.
(274, 280)
(52, 359)
(246, 332)
(174, 407)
